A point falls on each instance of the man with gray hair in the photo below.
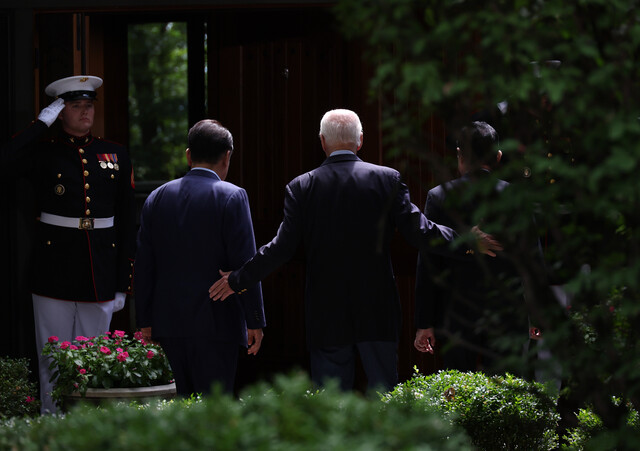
(345, 212)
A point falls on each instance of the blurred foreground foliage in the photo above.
(560, 83)
(287, 414)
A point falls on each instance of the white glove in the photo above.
(118, 302)
(49, 114)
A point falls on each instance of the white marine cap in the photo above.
(76, 87)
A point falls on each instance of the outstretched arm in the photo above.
(421, 232)
(269, 257)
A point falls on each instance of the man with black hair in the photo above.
(454, 295)
(189, 228)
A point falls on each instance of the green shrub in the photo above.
(497, 412)
(17, 392)
(591, 433)
(283, 415)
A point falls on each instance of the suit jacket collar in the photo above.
(340, 158)
(199, 173)
(476, 174)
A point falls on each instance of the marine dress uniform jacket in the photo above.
(189, 228)
(345, 214)
(82, 178)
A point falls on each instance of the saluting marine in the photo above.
(82, 266)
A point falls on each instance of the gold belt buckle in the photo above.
(86, 224)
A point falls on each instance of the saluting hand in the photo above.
(49, 114)
(221, 290)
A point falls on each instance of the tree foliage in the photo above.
(158, 99)
(568, 74)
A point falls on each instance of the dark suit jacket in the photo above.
(189, 229)
(65, 171)
(345, 213)
(451, 294)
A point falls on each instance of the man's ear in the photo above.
(361, 141)
(323, 143)
(188, 155)
(499, 156)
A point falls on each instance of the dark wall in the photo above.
(16, 322)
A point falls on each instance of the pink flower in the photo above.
(105, 350)
(118, 333)
(612, 309)
(119, 349)
(81, 338)
(65, 344)
(108, 333)
(137, 335)
(53, 339)
(123, 356)
(73, 347)
(150, 354)
(82, 371)
(30, 399)
(89, 343)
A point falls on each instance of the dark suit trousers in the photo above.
(199, 362)
(379, 360)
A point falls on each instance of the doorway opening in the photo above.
(158, 85)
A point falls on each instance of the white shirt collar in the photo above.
(341, 152)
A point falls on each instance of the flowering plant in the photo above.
(112, 360)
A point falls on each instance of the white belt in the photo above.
(76, 223)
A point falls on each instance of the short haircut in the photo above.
(478, 143)
(341, 127)
(209, 141)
